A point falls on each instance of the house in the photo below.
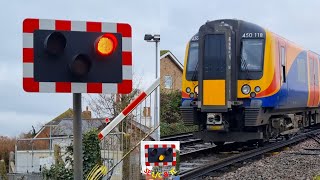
(32, 154)
(170, 72)
(61, 126)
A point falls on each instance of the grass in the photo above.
(169, 129)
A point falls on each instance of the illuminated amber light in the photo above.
(161, 157)
(106, 44)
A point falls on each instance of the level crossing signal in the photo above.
(160, 154)
(61, 56)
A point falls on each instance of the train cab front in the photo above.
(227, 60)
(189, 92)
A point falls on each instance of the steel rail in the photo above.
(176, 137)
(197, 151)
(203, 170)
(205, 150)
(192, 141)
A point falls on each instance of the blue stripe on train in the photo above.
(183, 99)
(293, 93)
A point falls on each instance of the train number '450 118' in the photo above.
(252, 35)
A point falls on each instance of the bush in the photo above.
(57, 172)
(169, 106)
(169, 129)
(3, 171)
(91, 157)
(91, 151)
(170, 116)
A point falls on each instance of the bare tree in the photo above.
(110, 105)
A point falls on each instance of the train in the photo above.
(243, 83)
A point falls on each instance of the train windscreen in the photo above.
(252, 55)
(192, 61)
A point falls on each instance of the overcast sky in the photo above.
(297, 21)
(20, 110)
(177, 21)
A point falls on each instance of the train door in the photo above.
(311, 77)
(217, 64)
(316, 81)
(313, 81)
(214, 70)
(283, 65)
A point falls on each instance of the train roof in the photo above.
(237, 24)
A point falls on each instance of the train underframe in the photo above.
(249, 124)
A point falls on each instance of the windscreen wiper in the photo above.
(195, 72)
(245, 65)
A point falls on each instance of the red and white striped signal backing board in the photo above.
(174, 154)
(30, 85)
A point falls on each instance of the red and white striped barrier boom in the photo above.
(128, 109)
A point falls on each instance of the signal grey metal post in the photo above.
(157, 96)
(77, 137)
(156, 38)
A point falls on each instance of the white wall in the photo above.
(28, 161)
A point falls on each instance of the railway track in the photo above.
(192, 148)
(176, 137)
(219, 163)
(204, 149)
(185, 139)
(193, 158)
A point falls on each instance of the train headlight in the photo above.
(257, 89)
(191, 95)
(196, 89)
(245, 89)
(188, 90)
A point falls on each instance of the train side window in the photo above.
(316, 72)
(302, 73)
(313, 71)
(283, 63)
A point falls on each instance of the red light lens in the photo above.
(106, 44)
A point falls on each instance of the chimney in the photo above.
(118, 98)
(146, 112)
(86, 114)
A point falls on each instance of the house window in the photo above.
(168, 82)
(146, 112)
